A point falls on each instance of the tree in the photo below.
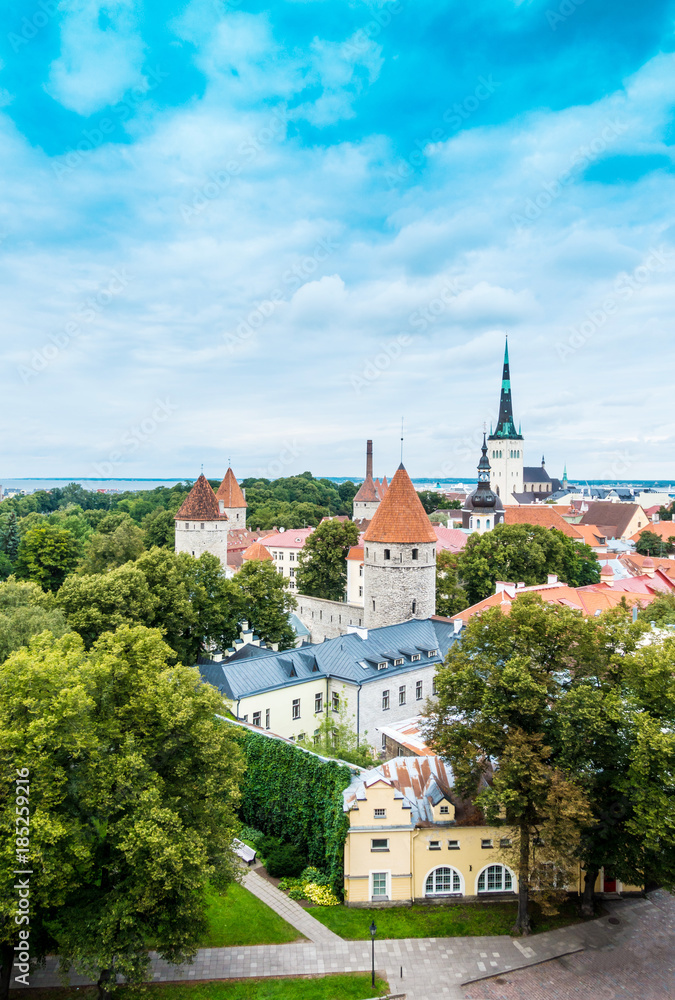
(450, 594)
(26, 611)
(133, 791)
(666, 513)
(266, 602)
(496, 693)
(108, 549)
(9, 536)
(160, 528)
(651, 544)
(103, 602)
(432, 501)
(323, 560)
(47, 555)
(661, 611)
(335, 736)
(523, 553)
(216, 602)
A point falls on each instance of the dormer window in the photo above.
(398, 662)
(444, 810)
(432, 652)
(382, 666)
(415, 657)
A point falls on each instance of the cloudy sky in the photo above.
(267, 231)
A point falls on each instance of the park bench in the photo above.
(245, 852)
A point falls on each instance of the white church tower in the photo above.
(505, 448)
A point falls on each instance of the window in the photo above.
(373, 604)
(366, 552)
(291, 572)
(434, 845)
(382, 665)
(202, 525)
(379, 844)
(281, 555)
(318, 703)
(387, 554)
(267, 718)
(505, 842)
(384, 742)
(379, 885)
(432, 652)
(445, 810)
(360, 591)
(246, 718)
(418, 690)
(415, 553)
(398, 662)
(301, 737)
(434, 686)
(187, 524)
(291, 556)
(380, 813)
(486, 844)
(292, 585)
(442, 881)
(415, 657)
(414, 607)
(336, 702)
(453, 845)
(256, 718)
(495, 878)
(401, 695)
(385, 701)
(296, 708)
(360, 570)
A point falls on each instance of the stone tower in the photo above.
(234, 502)
(201, 523)
(367, 500)
(506, 444)
(399, 558)
(483, 510)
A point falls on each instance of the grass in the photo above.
(347, 987)
(436, 921)
(237, 917)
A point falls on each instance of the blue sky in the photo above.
(267, 232)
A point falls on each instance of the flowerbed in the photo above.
(311, 885)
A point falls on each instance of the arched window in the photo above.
(487, 523)
(478, 523)
(471, 522)
(495, 878)
(442, 881)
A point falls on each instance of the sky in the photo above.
(264, 232)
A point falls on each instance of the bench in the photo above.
(245, 852)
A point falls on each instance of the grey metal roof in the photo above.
(341, 658)
(536, 474)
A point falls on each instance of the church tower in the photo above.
(201, 523)
(506, 444)
(483, 510)
(399, 558)
(234, 502)
(367, 499)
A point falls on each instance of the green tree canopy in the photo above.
(432, 501)
(451, 597)
(133, 791)
(661, 611)
(101, 602)
(266, 602)
(651, 544)
(323, 560)
(108, 549)
(160, 528)
(47, 555)
(25, 611)
(9, 535)
(524, 553)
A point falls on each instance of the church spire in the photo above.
(506, 428)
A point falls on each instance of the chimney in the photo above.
(221, 506)
(551, 579)
(369, 459)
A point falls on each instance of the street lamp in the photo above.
(373, 932)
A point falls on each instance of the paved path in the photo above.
(291, 911)
(432, 967)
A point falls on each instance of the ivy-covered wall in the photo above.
(293, 795)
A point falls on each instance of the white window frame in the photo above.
(451, 893)
(379, 850)
(387, 894)
(295, 704)
(489, 892)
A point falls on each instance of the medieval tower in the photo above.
(234, 502)
(201, 523)
(399, 558)
(506, 444)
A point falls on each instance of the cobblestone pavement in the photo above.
(639, 964)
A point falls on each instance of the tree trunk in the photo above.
(104, 993)
(6, 959)
(588, 894)
(522, 924)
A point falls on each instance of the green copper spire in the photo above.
(506, 428)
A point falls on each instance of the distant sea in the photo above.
(124, 485)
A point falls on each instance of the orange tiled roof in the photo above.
(229, 491)
(257, 551)
(587, 600)
(664, 529)
(356, 552)
(591, 534)
(367, 491)
(400, 518)
(634, 563)
(545, 516)
(200, 504)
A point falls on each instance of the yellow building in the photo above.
(411, 838)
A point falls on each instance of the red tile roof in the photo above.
(634, 563)
(368, 492)
(664, 529)
(292, 538)
(356, 552)
(400, 518)
(546, 516)
(229, 491)
(450, 539)
(200, 504)
(257, 551)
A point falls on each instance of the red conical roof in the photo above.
(400, 518)
(257, 551)
(367, 492)
(200, 504)
(229, 491)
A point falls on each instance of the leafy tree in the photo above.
(451, 596)
(335, 736)
(666, 513)
(661, 611)
(432, 501)
(216, 602)
(6, 566)
(497, 691)
(527, 553)
(9, 536)
(323, 560)
(109, 549)
(101, 602)
(25, 611)
(160, 528)
(133, 791)
(651, 544)
(266, 602)
(47, 555)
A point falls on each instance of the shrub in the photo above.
(284, 860)
(297, 892)
(250, 834)
(314, 875)
(321, 895)
(267, 845)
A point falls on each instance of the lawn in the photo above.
(435, 921)
(238, 918)
(351, 987)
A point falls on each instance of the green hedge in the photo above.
(297, 797)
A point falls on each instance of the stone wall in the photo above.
(327, 619)
(371, 713)
(202, 536)
(392, 584)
